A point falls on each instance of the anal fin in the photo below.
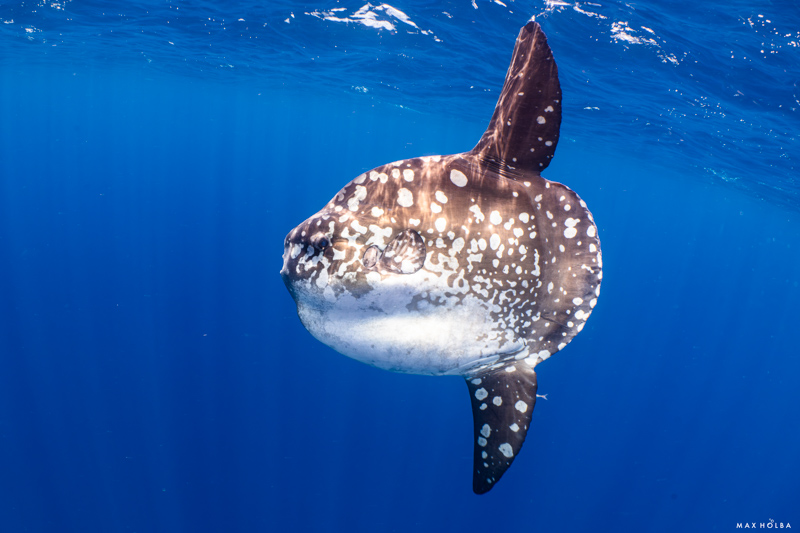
(502, 406)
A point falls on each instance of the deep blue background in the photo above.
(154, 376)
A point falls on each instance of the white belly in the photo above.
(385, 329)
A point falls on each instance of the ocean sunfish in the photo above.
(469, 264)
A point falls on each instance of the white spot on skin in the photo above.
(548, 143)
(495, 218)
(506, 450)
(441, 224)
(441, 197)
(358, 227)
(481, 393)
(571, 231)
(577, 301)
(476, 381)
(481, 441)
(296, 249)
(408, 174)
(377, 211)
(436, 208)
(486, 430)
(521, 406)
(458, 245)
(494, 241)
(514, 427)
(540, 120)
(458, 178)
(405, 198)
(524, 218)
(591, 231)
(497, 400)
(379, 235)
(477, 212)
(360, 194)
(484, 455)
(548, 109)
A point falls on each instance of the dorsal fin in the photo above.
(502, 406)
(523, 132)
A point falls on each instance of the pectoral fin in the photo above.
(405, 254)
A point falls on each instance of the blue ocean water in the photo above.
(154, 375)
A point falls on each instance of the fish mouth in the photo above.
(285, 271)
(288, 281)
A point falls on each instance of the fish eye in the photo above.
(320, 241)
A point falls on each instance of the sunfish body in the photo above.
(469, 264)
